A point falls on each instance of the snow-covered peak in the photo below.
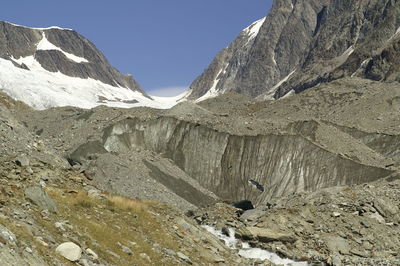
(44, 44)
(254, 28)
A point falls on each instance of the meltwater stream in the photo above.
(248, 252)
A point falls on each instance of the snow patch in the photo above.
(395, 34)
(273, 59)
(42, 89)
(44, 44)
(271, 92)
(349, 51)
(287, 95)
(172, 99)
(253, 29)
(248, 252)
(212, 92)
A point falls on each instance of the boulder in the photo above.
(385, 207)
(70, 251)
(264, 235)
(22, 161)
(184, 257)
(7, 237)
(91, 254)
(337, 244)
(252, 215)
(40, 197)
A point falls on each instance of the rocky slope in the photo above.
(345, 225)
(303, 43)
(55, 214)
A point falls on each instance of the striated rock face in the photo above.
(303, 43)
(75, 57)
(224, 162)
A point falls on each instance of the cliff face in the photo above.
(303, 43)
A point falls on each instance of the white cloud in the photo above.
(167, 91)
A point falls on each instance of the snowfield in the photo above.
(42, 89)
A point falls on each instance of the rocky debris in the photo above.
(70, 251)
(94, 224)
(40, 197)
(7, 237)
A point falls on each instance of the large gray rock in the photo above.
(337, 244)
(70, 251)
(40, 197)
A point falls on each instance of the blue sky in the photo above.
(164, 44)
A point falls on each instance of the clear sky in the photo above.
(164, 44)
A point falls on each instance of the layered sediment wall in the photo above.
(223, 163)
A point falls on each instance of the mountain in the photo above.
(52, 67)
(303, 43)
(144, 186)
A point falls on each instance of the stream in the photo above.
(246, 251)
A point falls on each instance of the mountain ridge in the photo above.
(303, 43)
(50, 67)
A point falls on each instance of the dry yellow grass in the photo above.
(124, 203)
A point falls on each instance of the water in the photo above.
(248, 252)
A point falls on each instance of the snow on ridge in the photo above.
(254, 28)
(48, 28)
(44, 44)
(42, 89)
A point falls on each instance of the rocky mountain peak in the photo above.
(303, 43)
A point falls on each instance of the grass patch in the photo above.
(126, 204)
